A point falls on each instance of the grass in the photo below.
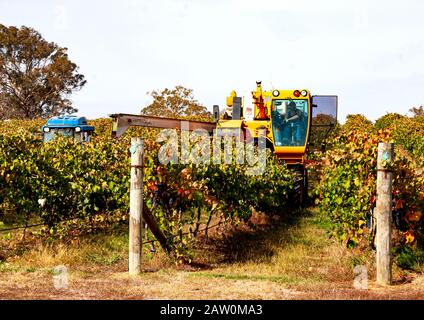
(278, 279)
(409, 258)
(295, 251)
(88, 253)
(99, 249)
(286, 258)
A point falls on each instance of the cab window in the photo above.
(289, 122)
(67, 132)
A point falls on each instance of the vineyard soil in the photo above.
(294, 259)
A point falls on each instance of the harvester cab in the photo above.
(287, 117)
(68, 126)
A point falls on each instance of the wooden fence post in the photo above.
(136, 205)
(384, 213)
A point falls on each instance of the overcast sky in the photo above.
(369, 54)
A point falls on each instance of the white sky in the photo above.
(370, 54)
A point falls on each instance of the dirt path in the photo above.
(186, 285)
(295, 260)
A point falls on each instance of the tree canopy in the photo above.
(175, 103)
(36, 76)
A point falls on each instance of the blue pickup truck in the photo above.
(69, 126)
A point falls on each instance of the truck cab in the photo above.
(68, 126)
